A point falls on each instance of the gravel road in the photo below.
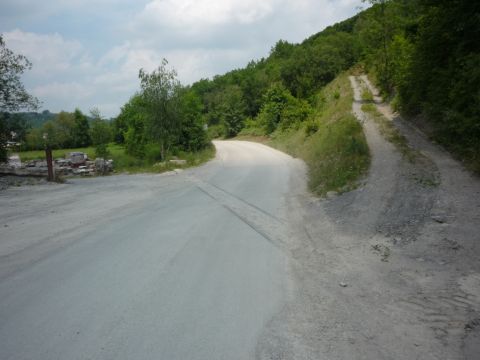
(390, 270)
(185, 265)
(236, 260)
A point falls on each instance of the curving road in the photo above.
(174, 266)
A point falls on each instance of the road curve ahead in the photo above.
(172, 266)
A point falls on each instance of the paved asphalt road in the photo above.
(176, 266)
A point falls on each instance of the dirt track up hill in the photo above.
(390, 270)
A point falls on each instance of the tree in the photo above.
(3, 141)
(81, 133)
(379, 31)
(160, 91)
(193, 137)
(133, 115)
(275, 100)
(317, 63)
(384, 33)
(64, 127)
(232, 110)
(119, 128)
(444, 75)
(100, 133)
(17, 125)
(49, 135)
(281, 109)
(13, 95)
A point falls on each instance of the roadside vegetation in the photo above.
(125, 163)
(423, 54)
(331, 141)
(159, 129)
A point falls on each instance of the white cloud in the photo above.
(190, 64)
(200, 38)
(187, 24)
(72, 91)
(194, 64)
(115, 55)
(34, 9)
(121, 64)
(199, 13)
(50, 53)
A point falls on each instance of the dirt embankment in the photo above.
(390, 270)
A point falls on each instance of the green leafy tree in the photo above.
(402, 50)
(17, 125)
(281, 110)
(443, 79)
(134, 115)
(232, 110)
(275, 101)
(119, 128)
(4, 135)
(56, 133)
(100, 133)
(317, 63)
(193, 137)
(376, 29)
(81, 130)
(34, 139)
(64, 124)
(160, 90)
(50, 135)
(13, 95)
(254, 83)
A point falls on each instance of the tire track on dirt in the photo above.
(448, 303)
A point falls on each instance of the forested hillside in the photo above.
(424, 54)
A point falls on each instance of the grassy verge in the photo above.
(127, 163)
(424, 174)
(257, 138)
(390, 132)
(57, 153)
(332, 143)
(367, 95)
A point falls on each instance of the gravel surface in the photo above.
(390, 270)
(183, 265)
(236, 260)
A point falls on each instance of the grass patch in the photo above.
(264, 139)
(125, 163)
(332, 143)
(57, 153)
(390, 132)
(133, 165)
(366, 94)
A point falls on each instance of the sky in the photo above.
(87, 53)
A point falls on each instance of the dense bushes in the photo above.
(427, 53)
(424, 54)
(443, 80)
(163, 118)
(331, 141)
(65, 130)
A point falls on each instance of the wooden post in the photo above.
(48, 153)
